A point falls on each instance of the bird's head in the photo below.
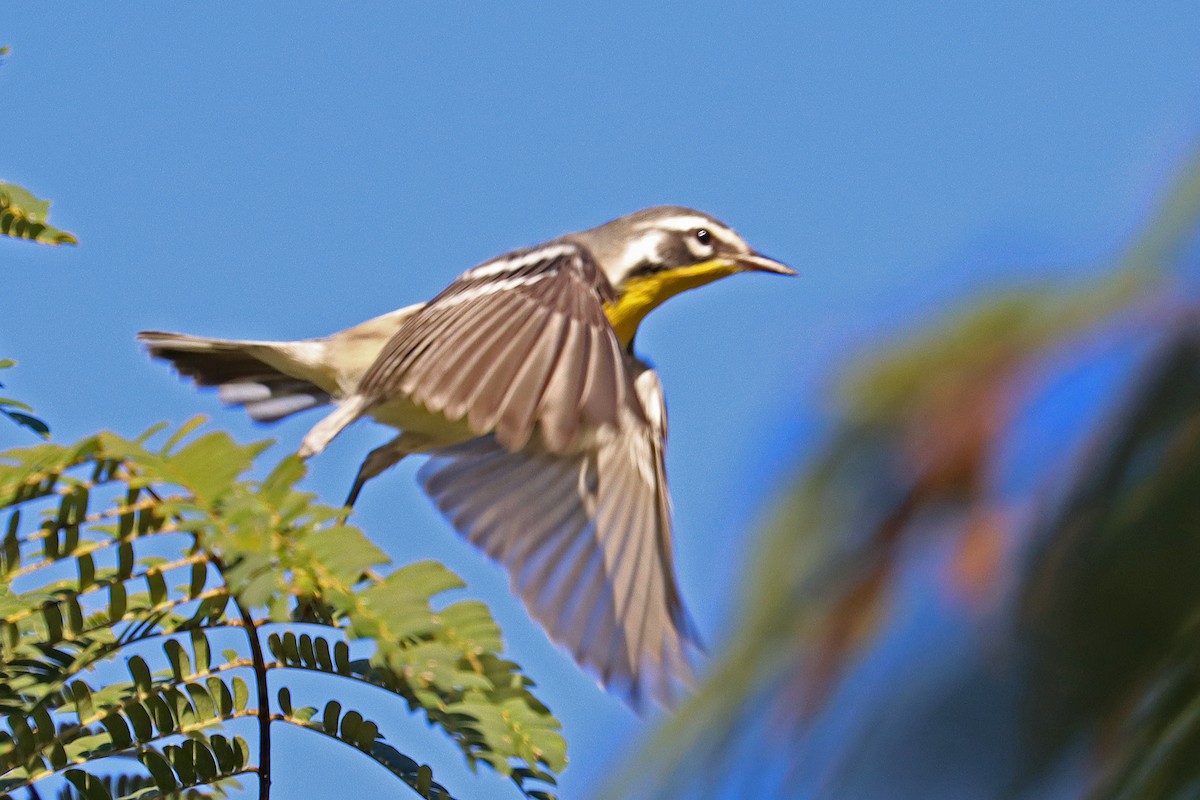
(654, 254)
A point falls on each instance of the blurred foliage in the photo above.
(1081, 599)
(19, 412)
(23, 216)
(1111, 603)
(149, 594)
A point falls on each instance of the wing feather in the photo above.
(517, 346)
(459, 389)
(565, 388)
(585, 538)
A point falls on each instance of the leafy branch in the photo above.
(114, 552)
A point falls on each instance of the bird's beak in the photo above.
(757, 262)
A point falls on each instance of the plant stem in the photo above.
(264, 703)
(260, 672)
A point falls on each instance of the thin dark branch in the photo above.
(260, 672)
(264, 700)
(33, 792)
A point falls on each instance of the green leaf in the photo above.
(200, 650)
(203, 760)
(125, 556)
(322, 655)
(160, 770)
(426, 578)
(417, 776)
(345, 552)
(226, 755)
(242, 749)
(24, 743)
(11, 553)
(157, 584)
(179, 435)
(164, 717)
(88, 785)
(58, 756)
(341, 657)
(140, 671)
(44, 732)
(117, 601)
(206, 707)
(221, 695)
(86, 565)
(241, 694)
(329, 720)
(82, 696)
(15, 410)
(351, 723)
(117, 729)
(52, 617)
(199, 578)
(181, 665)
(150, 432)
(208, 466)
(28, 421)
(183, 760)
(139, 718)
(279, 483)
(308, 655)
(24, 216)
(285, 701)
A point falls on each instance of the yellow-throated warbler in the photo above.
(545, 432)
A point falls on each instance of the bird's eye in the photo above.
(704, 237)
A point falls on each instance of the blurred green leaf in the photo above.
(17, 411)
(1110, 605)
(910, 457)
(23, 216)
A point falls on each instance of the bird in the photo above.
(545, 432)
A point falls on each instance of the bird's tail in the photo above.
(241, 372)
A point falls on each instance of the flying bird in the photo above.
(545, 432)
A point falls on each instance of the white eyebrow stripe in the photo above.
(505, 264)
(641, 249)
(493, 287)
(684, 223)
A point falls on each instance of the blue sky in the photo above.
(274, 172)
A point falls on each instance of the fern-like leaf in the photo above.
(125, 571)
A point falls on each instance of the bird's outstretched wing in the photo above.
(586, 540)
(518, 343)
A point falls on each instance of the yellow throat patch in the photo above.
(643, 295)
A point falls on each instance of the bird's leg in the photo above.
(377, 461)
